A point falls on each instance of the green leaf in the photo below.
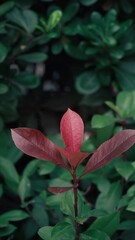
(40, 215)
(94, 235)
(45, 232)
(126, 103)
(102, 126)
(63, 231)
(1, 190)
(124, 168)
(1, 124)
(3, 52)
(5, 7)
(70, 11)
(8, 149)
(31, 168)
(36, 57)
(3, 88)
(25, 18)
(108, 224)
(7, 230)
(24, 188)
(88, 2)
(108, 200)
(76, 51)
(127, 225)
(10, 174)
(66, 204)
(54, 19)
(14, 215)
(46, 168)
(125, 79)
(131, 205)
(87, 83)
(28, 80)
(113, 107)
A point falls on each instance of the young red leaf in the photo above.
(110, 149)
(58, 190)
(72, 129)
(35, 144)
(74, 158)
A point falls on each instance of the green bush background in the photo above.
(55, 55)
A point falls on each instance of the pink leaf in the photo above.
(110, 149)
(72, 129)
(58, 190)
(74, 158)
(35, 144)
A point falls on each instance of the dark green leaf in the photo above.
(7, 230)
(31, 168)
(33, 57)
(63, 231)
(45, 232)
(25, 18)
(3, 52)
(24, 188)
(87, 83)
(108, 200)
(95, 235)
(70, 11)
(3, 88)
(14, 215)
(5, 7)
(9, 172)
(108, 224)
(88, 2)
(28, 80)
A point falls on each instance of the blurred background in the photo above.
(54, 55)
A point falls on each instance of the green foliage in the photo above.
(55, 55)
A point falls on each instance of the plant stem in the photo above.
(76, 205)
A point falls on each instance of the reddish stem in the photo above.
(75, 181)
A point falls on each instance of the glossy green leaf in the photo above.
(108, 224)
(28, 80)
(45, 232)
(87, 83)
(5, 7)
(125, 79)
(25, 18)
(1, 190)
(36, 57)
(14, 215)
(70, 11)
(124, 168)
(95, 235)
(8, 149)
(24, 188)
(3, 52)
(131, 205)
(31, 168)
(102, 126)
(126, 103)
(88, 2)
(63, 231)
(54, 19)
(7, 230)
(46, 168)
(3, 88)
(9, 173)
(111, 197)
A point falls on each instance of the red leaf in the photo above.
(58, 190)
(74, 158)
(72, 129)
(110, 149)
(35, 144)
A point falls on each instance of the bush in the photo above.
(55, 55)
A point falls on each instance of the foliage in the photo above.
(56, 55)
